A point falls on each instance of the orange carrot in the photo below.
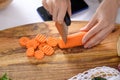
(48, 50)
(52, 41)
(30, 52)
(39, 54)
(23, 41)
(41, 45)
(40, 38)
(32, 43)
(73, 40)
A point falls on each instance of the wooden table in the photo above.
(60, 66)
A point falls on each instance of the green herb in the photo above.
(5, 77)
(98, 78)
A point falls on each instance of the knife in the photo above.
(63, 28)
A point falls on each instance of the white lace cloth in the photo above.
(105, 72)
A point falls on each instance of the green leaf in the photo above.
(98, 78)
(4, 77)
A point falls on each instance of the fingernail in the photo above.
(89, 46)
(85, 46)
(82, 28)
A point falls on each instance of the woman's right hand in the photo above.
(57, 8)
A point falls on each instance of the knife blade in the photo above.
(63, 28)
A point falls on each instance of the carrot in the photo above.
(32, 43)
(48, 50)
(23, 41)
(40, 38)
(73, 40)
(30, 52)
(52, 41)
(41, 45)
(39, 54)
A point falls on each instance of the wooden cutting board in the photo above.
(60, 66)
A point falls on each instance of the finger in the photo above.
(55, 12)
(92, 32)
(90, 24)
(61, 14)
(45, 5)
(69, 8)
(50, 6)
(99, 37)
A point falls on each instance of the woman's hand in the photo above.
(57, 8)
(101, 24)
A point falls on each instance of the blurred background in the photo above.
(21, 12)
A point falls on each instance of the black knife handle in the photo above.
(67, 19)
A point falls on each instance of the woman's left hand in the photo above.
(101, 24)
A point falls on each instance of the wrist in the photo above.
(119, 3)
(114, 2)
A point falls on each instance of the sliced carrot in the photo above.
(40, 38)
(30, 52)
(52, 41)
(73, 40)
(48, 50)
(23, 41)
(32, 43)
(41, 45)
(39, 54)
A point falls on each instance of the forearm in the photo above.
(113, 2)
(119, 3)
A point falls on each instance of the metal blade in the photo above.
(63, 30)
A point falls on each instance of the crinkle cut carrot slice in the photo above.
(48, 50)
(40, 38)
(32, 43)
(52, 41)
(41, 45)
(30, 52)
(39, 54)
(23, 41)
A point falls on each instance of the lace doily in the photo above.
(105, 72)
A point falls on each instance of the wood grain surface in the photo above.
(60, 66)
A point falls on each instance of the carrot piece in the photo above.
(52, 41)
(48, 50)
(23, 41)
(39, 54)
(73, 40)
(30, 52)
(32, 43)
(40, 38)
(41, 45)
